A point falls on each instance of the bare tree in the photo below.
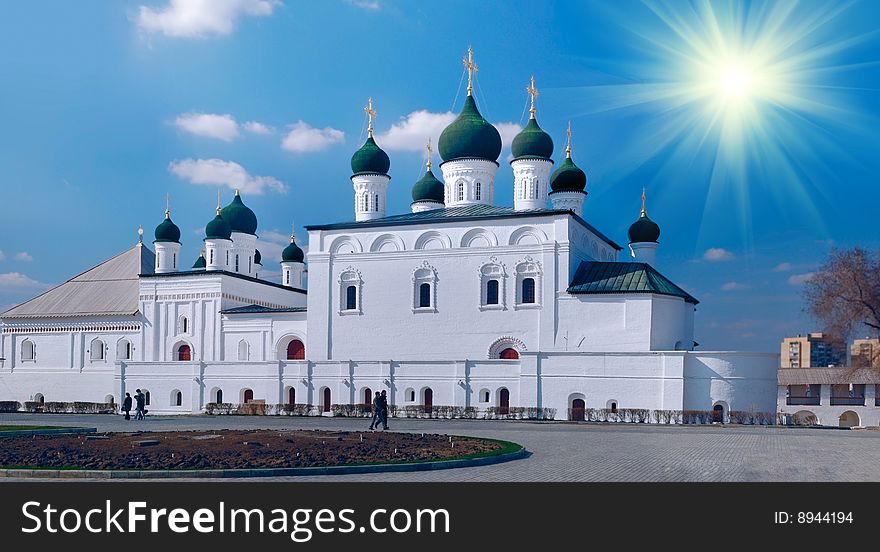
(844, 294)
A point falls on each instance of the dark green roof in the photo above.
(370, 159)
(200, 263)
(218, 229)
(239, 216)
(470, 135)
(167, 231)
(643, 230)
(258, 257)
(615, 277)
(465, 213)
(428, 188)
(259, 309)
(532, 141)
(292, 253)
(568, 178)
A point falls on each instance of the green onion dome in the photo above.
(292, 253)
(239, 216)
(470, 136)
(370, 159)
(200, 263)
(258, 257)
(568, 178)
(218, 229)
(167, 231)
(428, 188)
(532, 141)
(643, 230)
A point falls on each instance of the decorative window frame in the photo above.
(351, 277)
(493, 270)
(92, 357)
(424, 274)
(119, 343)
(33, 357)
(506, 342)
(528, 268)
(246, 351)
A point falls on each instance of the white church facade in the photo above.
(461, 303)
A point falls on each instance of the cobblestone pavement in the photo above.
(579, 452)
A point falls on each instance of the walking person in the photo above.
(140, 399)
(383, 409)
(377, 407)
(126, 406)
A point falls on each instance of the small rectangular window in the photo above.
(492, 292)
(477, 190)
(425, 295)
(351, 298)
(528, 290)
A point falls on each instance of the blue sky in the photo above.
(107, 106)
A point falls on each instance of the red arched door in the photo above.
(184, 352)
(429, 400)
(509, 354)
(326, 405)
(248, 395)
(368, 399)
(296, 350)
(291, 396)
(504, 401)
(578, 406)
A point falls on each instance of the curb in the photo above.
(264, 472)
(61, 431)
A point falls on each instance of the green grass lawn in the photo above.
(27, 427)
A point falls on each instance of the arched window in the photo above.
(40, 398)
(461, 191)
(123, 349)
(509, 354)
(247, 396)
(291, 396)
(484, 396)
(211, 256)
(410, 395)
(96, 349)
(325, 402)
(174, 260)
(219, 396)
(376, 203)
(28, 351)
(296, 350)
(368, 396)
(425, 295)
(250, 265)
(182, 325)
(146, 397)
(287, 277)
(236, 263)
(351, 298)
(365, 202)
(478, 191)
(184, 353)
(492, 292)
(243, 350)
(528, 290)
(176, 398)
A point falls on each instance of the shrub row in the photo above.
(438, 412)
(76, 407)
(9, 406)
(644, 415)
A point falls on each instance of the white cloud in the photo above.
(411, 132)
(23, 256)
(782, 267)
(734, 286)
(717, 254)
(271, 244)
(201, 18)
(799, 279)
(221, 127)
(256, 128)
(214, 172)
(365, 4)
(17, 280)
(304, 138)
(2, 255)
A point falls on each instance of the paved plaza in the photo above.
(578, 451)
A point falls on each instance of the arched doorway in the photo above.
(503, 401)
(509, 354)
(184, 353)
(291, 396)
(325, 406)
(804, 417)
(296, 350)
(578, 408)
(429, 400)
(368, 400)
(247, 396)
(717, 414)
(849, 419)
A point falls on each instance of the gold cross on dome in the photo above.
(370, 113)
(167, 205)
(644, 212)
(568, 141)
(430, 149)
(533, 92)
(471, 67)
(218, 202)
(292, 232)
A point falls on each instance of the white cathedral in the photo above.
(461, 302)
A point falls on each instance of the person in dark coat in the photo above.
(377, 410)
(140, 400)
(384, 411)
(126, 406)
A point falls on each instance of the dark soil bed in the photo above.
(235, 449)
